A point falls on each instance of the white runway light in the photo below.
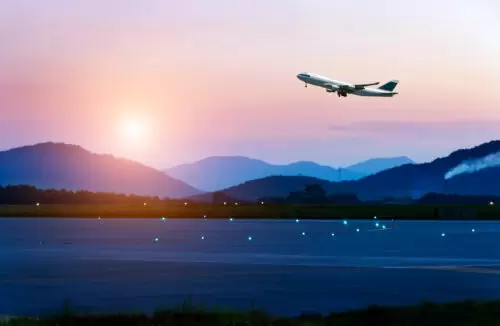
(357, 230)
(443, 234)
(156, 239)
(297, 220)
(345, 222)
(230, 219)
(303, 233)
(202, 237)
(249, 238)
(333, 234)
(374, 217)
(473, 230)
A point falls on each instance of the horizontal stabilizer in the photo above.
(390, 86)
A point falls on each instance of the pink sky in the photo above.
(218, 77)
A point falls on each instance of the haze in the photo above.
(202, 78)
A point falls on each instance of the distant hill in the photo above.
(57, 165)
(406, 181)
(220, 172)
(483, 182)
(376, 165)
(416, 180)
(276, 186)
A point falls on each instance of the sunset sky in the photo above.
(168, 82)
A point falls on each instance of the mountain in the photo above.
(276, 186)
(376, 165)
(416, 180)
(406, 181)
(58, 165)
(220, 172)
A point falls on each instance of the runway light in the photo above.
(492, 203)
(204, 216)
(376, 224)
(374, 217)
(383, 227)
(249, 238)
(262, 203)
(225, 203)
(202, 237)
(303, 233)
(442, 234)
(185, 204)
(145, 204)
(333, 234)
(99, 218)
(357, 230)
(345, 222)
(156, 239)
(297, 220)
(473, 230)
(38, 204)
(230, 219)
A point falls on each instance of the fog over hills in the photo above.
(405, 181)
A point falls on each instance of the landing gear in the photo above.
(305, 85)
(344, 94)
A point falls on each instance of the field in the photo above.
(457, 314)
(258, 211)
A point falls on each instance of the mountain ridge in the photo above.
(220, 172)
(68, 166)
(405, 181)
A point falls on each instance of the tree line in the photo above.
(28, 195)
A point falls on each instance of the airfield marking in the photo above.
(450, 268)
(477, 269)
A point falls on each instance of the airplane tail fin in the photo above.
(390, 86)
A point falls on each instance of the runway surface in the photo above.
(284, 267)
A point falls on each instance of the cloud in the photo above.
(470, 166)
(418, 129)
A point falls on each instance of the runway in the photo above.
(287, 268)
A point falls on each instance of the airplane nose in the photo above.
(299, 76)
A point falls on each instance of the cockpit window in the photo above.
(306, 75)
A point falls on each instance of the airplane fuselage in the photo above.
(331, 84)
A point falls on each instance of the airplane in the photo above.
(343, 88)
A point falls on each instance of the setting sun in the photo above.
(134, 129)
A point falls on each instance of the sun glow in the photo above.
(134, 129)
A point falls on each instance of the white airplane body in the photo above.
(343, 88)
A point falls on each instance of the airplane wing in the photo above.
(347, 87)
(332, 86)
(361, 86)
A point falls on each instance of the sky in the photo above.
(171, 82)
